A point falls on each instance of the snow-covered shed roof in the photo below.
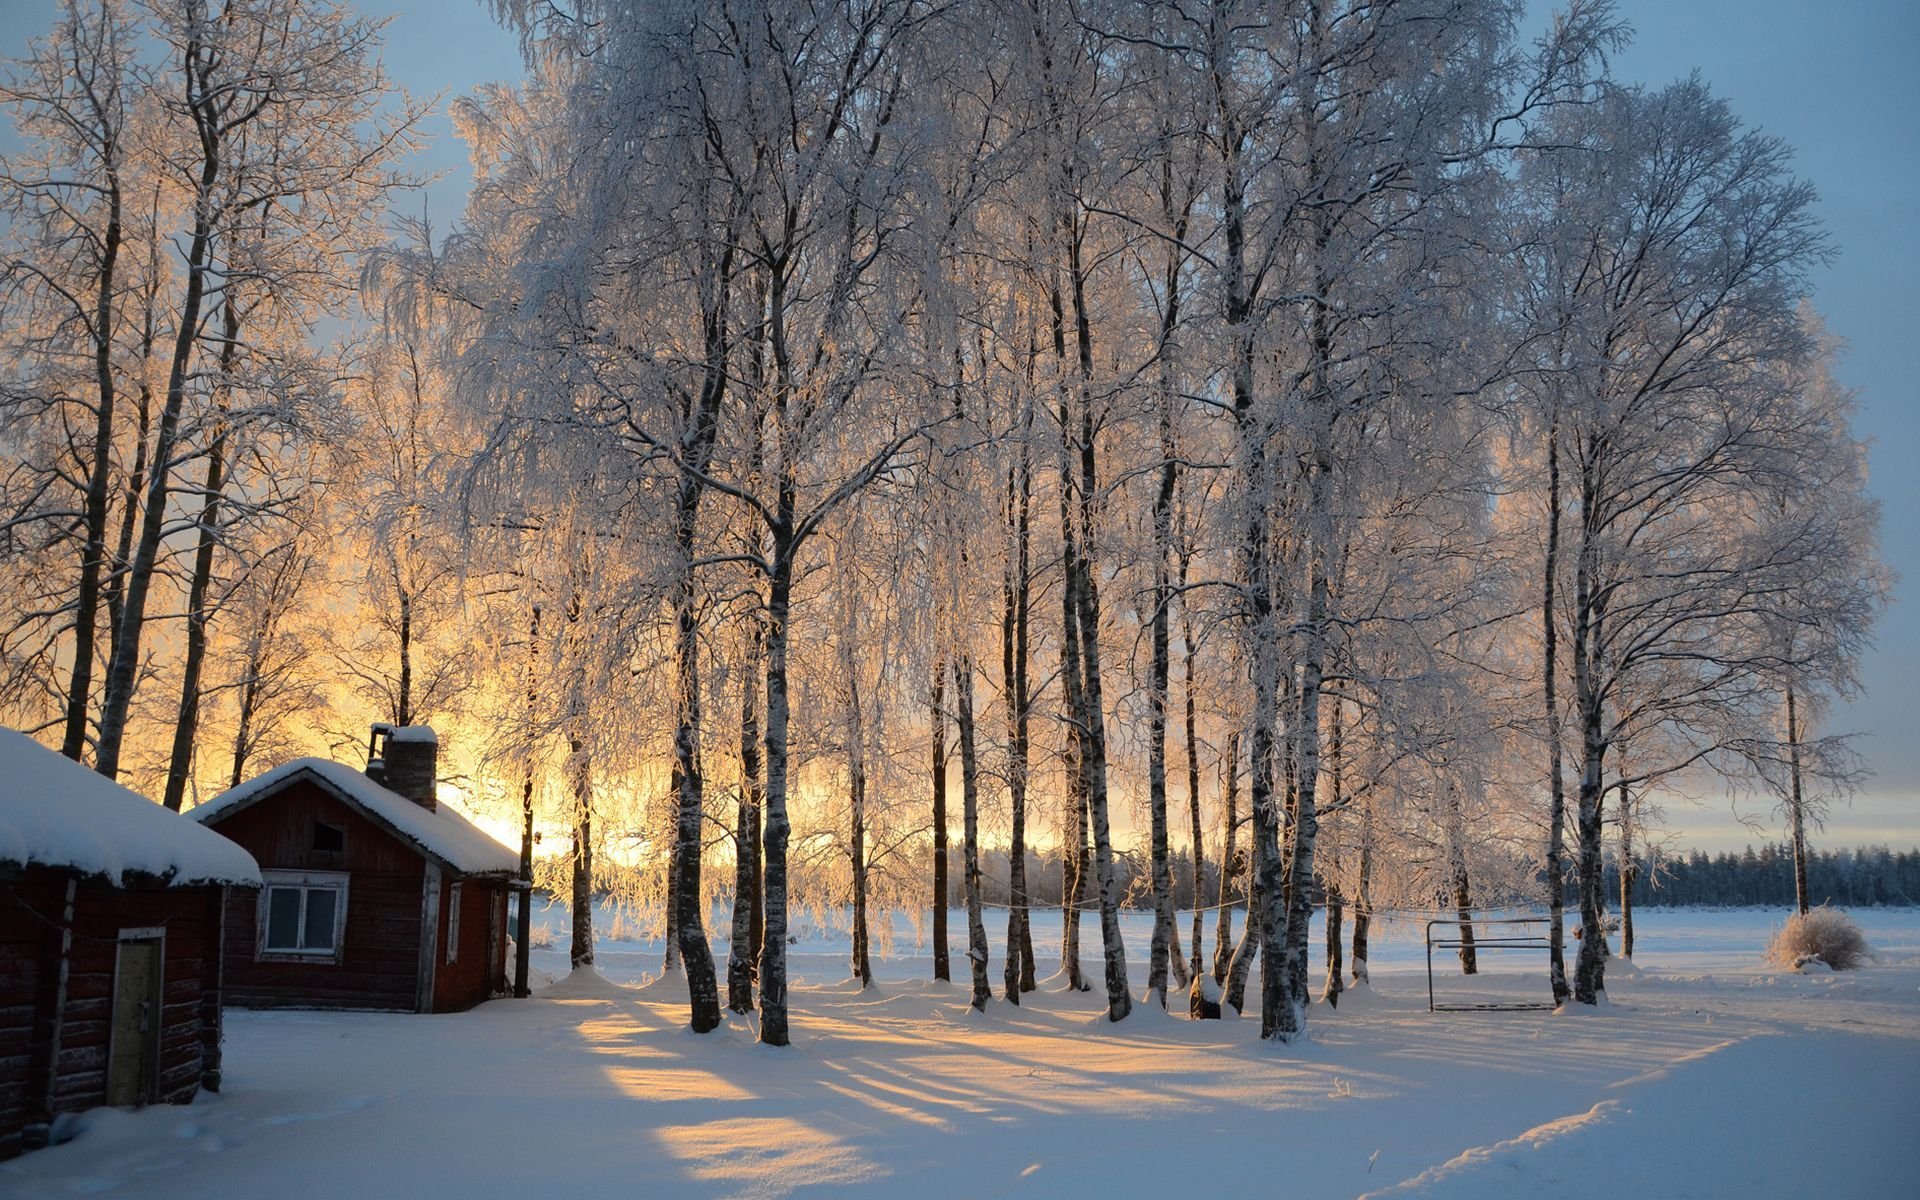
(441, 833)
(56, 813)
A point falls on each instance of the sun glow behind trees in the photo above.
(1091, 360)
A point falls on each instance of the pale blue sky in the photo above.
(1838, 84)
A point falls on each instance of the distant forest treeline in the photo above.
(1862, 876)
(1865, 875)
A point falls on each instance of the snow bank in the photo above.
(441, 832)
(56, 813)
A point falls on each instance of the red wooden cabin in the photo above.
(110, 925)
(375, 895)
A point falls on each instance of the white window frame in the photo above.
(334, 881)
(453, 923)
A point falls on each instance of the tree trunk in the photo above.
(773, 943)
(1075, 858)
(187, 725)
(1363, 899)
(123, 664)
(1158, 687)
(670, 913)
(970, 829)
(1193, 786)
(743, 947)
(1589, 972)
(690, 930)
(1796, 808)
(581, 953)
(1331, 994)
(403, 705)
(93, 554)
(938, 716)
(1336, 782)
(523, 927)
(1240, 966)
(1627, 871)
(857, 818)
(1083, 589)
(1556, 783)
(115, 585)
(1013, 661)
(1229, 863)
(1288, 1017)
(1463, 906)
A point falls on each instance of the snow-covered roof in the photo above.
(439, 832)
(56, 813)
(412, 733)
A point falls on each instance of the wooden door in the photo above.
(133, 1048)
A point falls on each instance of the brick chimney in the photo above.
(405, 760)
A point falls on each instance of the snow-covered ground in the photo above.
(1707, 1074)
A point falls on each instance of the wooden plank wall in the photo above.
(379, 957)
(188, 916)
(465, 982)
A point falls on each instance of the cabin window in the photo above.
(303, 913)
(453, 923)
(329, 839)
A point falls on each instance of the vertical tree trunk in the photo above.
(93, 554)
(187, 723)
(1229, 862)
(1627, 871)
(938, 719)
(1075, 858)
(1331, 993)
(1336, 783)
(1084, 591)
(523, 927)
(186, 726)
(1463, 906)
(1240, 966)
(1589, 972)
(1193, 786)
(581, 952)
(113, 589)
(1458, 880)
(773, 943)
(670, 912)
(1288, 1017)
(690, 929)
(970, 829)
(1158, 687)
(743, 947)
(123, 663)
(857, 814)
(1556, 782)
(1796, 808)
(1013, 660)
(403, 703)
(1363, 898)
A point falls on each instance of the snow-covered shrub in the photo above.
(539, 937)
(1824, 935)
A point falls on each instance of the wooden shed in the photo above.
(375, 895)
(110, 957)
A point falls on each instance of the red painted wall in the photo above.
(379, 955)
(190, 996)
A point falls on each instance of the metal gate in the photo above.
(1512, 933)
